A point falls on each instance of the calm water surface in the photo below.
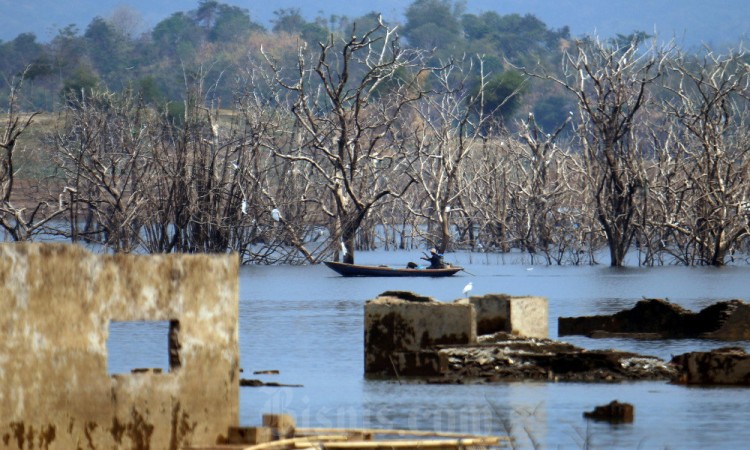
(307, 322)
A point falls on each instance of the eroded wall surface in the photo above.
(400, 333)
(529, 316)
(55, 392)
(520, 315)
(721, 366)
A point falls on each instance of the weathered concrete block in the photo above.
(393, 324)
(729, 365)
(57, 302)
(283, 425)
(493, 312)
(249, 435)
(733, 321)
(660, 319)
(420, 363)
(529, 316)
(524, 316)
(614, 412)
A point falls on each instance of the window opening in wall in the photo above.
(136, 345)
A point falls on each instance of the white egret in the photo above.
(343, 249)
(244, 206)
(275, 214)
(467, 289)
(448, 208)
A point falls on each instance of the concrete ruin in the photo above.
(660, 319)
(55, 390)
(613, 412)
(405, 332)
(521, 315)
(414, 336)
(402, 330)
(723, 366)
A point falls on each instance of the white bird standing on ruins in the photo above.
(467, 289)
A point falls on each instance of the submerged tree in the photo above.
(611, 85)
(20, 217)
(346, 124)
(708, 108)
(449, 126)
(103, 151)
(541, 193)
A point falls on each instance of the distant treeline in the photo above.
(215, 40)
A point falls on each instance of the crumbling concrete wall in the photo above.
(402, 329)
(660, 319)
(723, 366)
(733, 318)
(55, 392)
(520, 315)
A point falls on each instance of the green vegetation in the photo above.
(218, 39)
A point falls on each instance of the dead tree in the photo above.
(345, 102)
(490, 195)
(540, 190)
(196, 201)
(102, 151)
(20, 216)
(708, 106)
(284, 199)
(664, 197)
(447, 127)
(611, 85)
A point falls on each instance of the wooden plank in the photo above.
(411, 443)
(307, 441)
(361, 438)
(391, 432)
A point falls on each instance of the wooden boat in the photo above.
(356, 270)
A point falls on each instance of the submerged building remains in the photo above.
(55, 389)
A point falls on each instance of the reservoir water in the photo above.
(307, 323)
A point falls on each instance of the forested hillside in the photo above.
(215, 40)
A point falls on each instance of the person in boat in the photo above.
(435, 259)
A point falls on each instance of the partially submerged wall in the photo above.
(405, 332)
(722, 366)
(660, 319)
(411, 335)
(55, 391)
(520, 315)
(401, 329)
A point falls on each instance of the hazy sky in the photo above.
(689, 21)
